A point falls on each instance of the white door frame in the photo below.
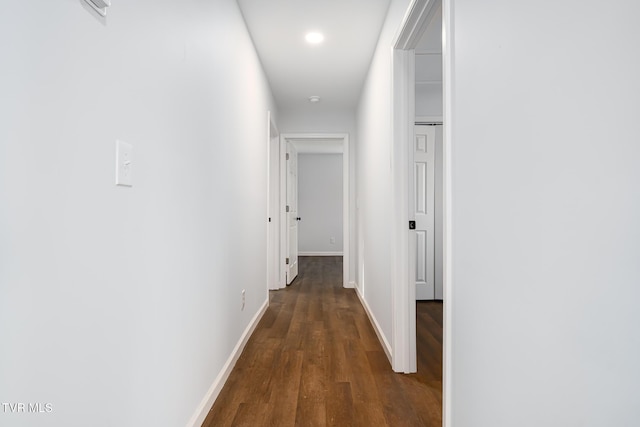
(404, 295)
(417, 18)
(344, 138)
(273, 221)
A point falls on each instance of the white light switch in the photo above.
(124, 159)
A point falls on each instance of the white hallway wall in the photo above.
(121, 305)
(374, 177)
(545, 215)
(320, 203)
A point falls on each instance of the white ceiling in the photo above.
(334, 70)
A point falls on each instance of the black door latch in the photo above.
(412, 225)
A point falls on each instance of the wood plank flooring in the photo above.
(315, 360)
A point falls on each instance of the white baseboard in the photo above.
(212, 394)
(320, 253)
(376, 327)
(351, 284)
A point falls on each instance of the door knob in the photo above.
(298, 218)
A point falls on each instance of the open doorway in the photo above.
(421, 99)
(425, 179)
(412, 174)
(405, 108)
(320, 201)
(312, 144)
(427, 206)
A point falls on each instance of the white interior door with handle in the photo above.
(292, 213)
(421, 207)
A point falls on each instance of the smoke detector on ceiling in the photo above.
(314, 99)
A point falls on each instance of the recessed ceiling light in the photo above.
(314, 38)
(314, 99)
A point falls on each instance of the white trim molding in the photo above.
(320, 253)
(415, 22)
(376, 326)
(273, 185)
(447, 97)
(212, 394)
(404, 319)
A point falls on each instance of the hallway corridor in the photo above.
(315, 360)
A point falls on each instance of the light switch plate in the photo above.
(124, 163)
(99, 6)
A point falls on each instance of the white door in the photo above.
(421, 207)
(292, 213)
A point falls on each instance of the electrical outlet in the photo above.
(242, 299)
(332, 240)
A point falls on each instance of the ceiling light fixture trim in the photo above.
(314, 37)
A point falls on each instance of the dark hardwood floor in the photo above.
(315, 360)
